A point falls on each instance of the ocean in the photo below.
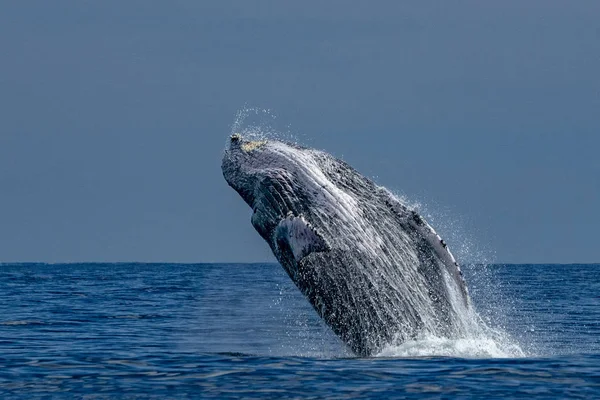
(220, 331)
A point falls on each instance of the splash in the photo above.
(256, 123)
(487, 332)
(473, 347)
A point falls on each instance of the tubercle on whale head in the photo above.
(247, 146)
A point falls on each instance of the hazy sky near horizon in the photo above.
(114, 115)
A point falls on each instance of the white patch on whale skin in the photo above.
(328, 197)
(300, 237)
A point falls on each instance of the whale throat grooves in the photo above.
(372, 268)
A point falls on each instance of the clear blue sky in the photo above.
(114, 114)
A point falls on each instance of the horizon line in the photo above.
(4, 263)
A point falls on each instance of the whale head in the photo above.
(262, 172)
(288, 187)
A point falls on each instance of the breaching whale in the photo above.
(373, 269)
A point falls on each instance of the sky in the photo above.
(114, 116)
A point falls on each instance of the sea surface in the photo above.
(161, 331)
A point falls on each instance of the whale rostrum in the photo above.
(373, 269)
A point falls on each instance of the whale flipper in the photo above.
(295, 235)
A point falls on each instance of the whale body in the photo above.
(372, 268)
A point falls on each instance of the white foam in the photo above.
(476, 347)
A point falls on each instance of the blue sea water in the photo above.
(244, 331)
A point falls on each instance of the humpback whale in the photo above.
(372, 268)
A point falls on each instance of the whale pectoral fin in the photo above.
(297, 236)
